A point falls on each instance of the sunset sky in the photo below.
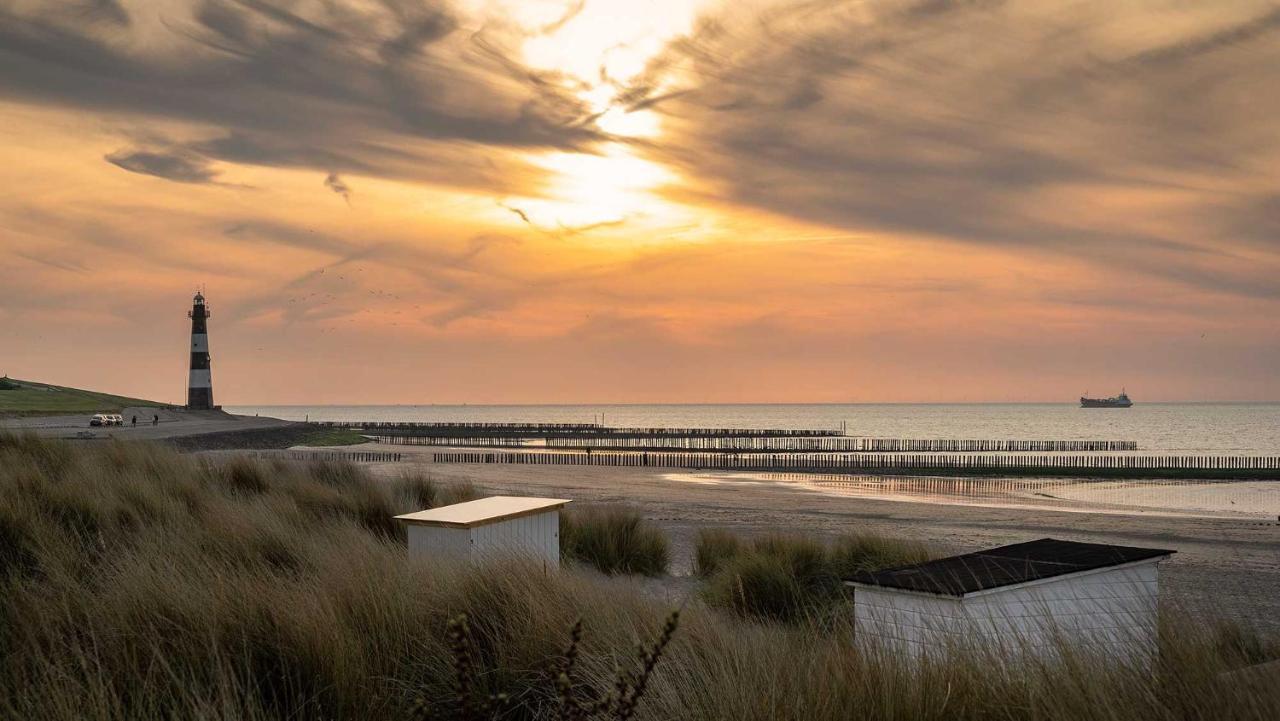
(412, 201)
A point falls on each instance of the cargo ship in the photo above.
(1120, 401)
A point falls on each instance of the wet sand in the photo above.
(1223, 566)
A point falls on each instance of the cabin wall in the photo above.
(1109, 611)
(911, 624)
(535, 535)
(440, 542)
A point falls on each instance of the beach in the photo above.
(1223, 565)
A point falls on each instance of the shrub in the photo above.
(244, 474)
(419, 488)
(1243, 645)
(714, 547)
(614, 540)
(870, 552)
(458, 493)
(789, 578)
(777, 577)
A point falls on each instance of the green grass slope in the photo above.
(28, 398)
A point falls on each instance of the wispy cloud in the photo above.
(181, 167)
(339, 186)
(392, 88)
(1031, 126)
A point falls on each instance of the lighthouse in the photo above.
(200, 384)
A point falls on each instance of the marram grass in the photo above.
(137, 583)
(614, 540)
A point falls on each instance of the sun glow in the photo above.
(605, 189)
(602, 47)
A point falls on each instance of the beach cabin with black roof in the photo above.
(1025, 597)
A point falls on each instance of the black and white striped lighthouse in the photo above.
(200, 385)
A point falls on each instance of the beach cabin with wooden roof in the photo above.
(498, 525)
(1025, 597)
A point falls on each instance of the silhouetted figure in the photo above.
(155, 420)
(135, 421)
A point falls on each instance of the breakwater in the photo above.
(1075, 466)
(559, 430)
(501, 442)
(843, 445)
(353, 456)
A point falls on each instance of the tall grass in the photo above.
(614, 540)
(714, 547)
(790, 578)
(136, 583)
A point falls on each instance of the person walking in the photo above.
(155, 420)
(135, 421)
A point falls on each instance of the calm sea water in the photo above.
(1252, 428)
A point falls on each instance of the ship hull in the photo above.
(1104, 403)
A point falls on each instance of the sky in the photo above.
(599, 201)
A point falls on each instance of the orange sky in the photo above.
(395, 201)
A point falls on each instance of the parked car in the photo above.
(100, 419)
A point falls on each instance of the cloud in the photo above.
(573, 10)
(395, 88)
(337, 185)
(180, 167)
(1074, 132)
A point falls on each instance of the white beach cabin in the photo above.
(1028, 597)
(498, 525)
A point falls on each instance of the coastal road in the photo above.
(173, 424)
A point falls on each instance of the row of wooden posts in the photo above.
(844, 445)
(482, 442)
(1209, 467)
(561, 430)
(354, 456)
(767, 444)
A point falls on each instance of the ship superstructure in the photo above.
(1120, 401)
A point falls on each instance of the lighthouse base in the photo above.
(200, 399)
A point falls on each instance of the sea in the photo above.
(1165, 428)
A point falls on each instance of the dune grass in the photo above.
(791, 577)
(613, 540)
(137, 583)
(714, 548)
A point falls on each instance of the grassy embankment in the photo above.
(28, 398)
(139, 583)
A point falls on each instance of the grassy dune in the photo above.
(138, 583)
(790, 577)
(29, 399)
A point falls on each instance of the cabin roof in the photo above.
(483, 511)
(1005, 566)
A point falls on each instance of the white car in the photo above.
(106, 419)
